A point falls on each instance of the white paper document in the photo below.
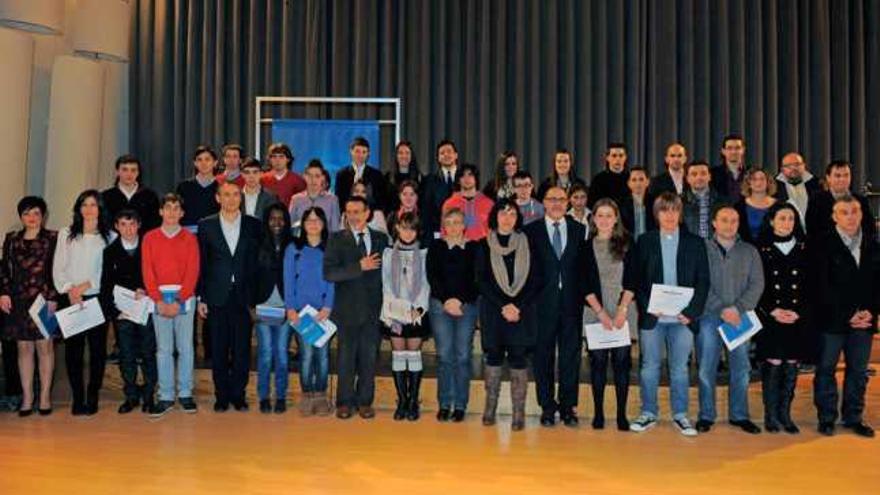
(599, 338)
(78, 318)
(669, 300)
(133, 309)
(734, 337)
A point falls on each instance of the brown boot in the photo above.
(305, 404)
(321, 404)
(519, 383)
(492, 380)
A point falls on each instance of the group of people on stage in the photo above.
(408, 256)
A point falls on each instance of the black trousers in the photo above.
(562, 333)
(74, 353)
(856, 348)
(356, 364)
(11, 377)
(230, 349)
(137, 348)
(517, 356)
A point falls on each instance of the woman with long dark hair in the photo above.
(273, 336)
(787, 338)
(405, 168)
(501, 184)
(563, 174)
(76, 271)
(609, 303)
(407, 195)
(25, 274)
(508, 281)
(304, 285)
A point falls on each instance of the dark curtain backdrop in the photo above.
(525, 75)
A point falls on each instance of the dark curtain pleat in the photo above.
(526, 75)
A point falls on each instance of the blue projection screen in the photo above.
(327, 140)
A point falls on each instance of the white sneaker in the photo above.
(643, 423)
(684, 427)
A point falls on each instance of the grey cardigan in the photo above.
(736, 278)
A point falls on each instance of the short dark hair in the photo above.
(732, 137)
(696, 163)
(314, 163)
(28, 203)
(127, 214)
(204, 148)
(578, 187)
(467, 168)
(280, 148)
(837, 164)
(358, 199)
(233, 147)
(171, 198)
(251, 162)
(445, 142)
(359, 141)
(639, 168)
(521, 174)
(408, 220)
(723, 205)
(846, 198)
(614, 145)
(501, 205)
(127, 158)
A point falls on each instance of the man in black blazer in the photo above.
(846, 267)
(672, 180)
(795, 184)
(360, 171)
(437, 187)
(352, 261)
(255, 198)
(559, 248)
(635, 208)
(228, 246)
(838, 180)
(727, 178)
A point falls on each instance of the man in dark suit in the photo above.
(846, 267)
(360, 171)
(795, 184)
(635, 208)
(672, 180)
(228, 246)
(838, 180)
(437, 187)
(559, 249)
(254, 197)
(352, 261)
(727, 178)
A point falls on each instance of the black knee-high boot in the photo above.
(415, 383)
(402, 398)
(789, 382)
(770, 388)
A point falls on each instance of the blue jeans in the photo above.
(709, 346)
(272, 343)
(454, 337)
(678, 341)
(174, 333)
(314, 366)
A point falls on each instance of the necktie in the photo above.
(448, 178)
(362, 244)
(557, 240)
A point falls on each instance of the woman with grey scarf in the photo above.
(405, 297)
(508, 281)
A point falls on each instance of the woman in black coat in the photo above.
(786, 338)
(508, 280)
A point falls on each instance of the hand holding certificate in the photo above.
(133, 308)
(43, 317)
(669, 300)
(78, 318)
(600, 338)
(733, 337)
(313, 332)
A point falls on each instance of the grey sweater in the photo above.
(736, 278)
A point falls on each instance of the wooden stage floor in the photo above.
(249, 453)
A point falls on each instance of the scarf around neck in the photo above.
(398, 271)
(519, 245)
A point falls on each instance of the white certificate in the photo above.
(599, 338)
(669, 300)
(400, 310)
(80, 317)
(133, 309)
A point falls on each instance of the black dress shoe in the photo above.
(747, 426)
(704, 425)
(598, 422)
(443, 414)
(458, 416)
(45, 412)
(78, 409)
(241, 406)
(548, 419)
(127, 407)
(91, 409)
(861, 429)
(570, 420)
(265, 406)
(221, 407)
(23, 413)
(280, 406)
(826, 428)
(622, 423)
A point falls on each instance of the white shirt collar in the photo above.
(128, 193)
(129, 246)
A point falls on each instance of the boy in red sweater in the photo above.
(170, 257)
(280, 180)
(468, 198)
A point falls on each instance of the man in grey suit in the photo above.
(352, 261)
(255, 199)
